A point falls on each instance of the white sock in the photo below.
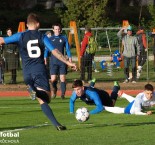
(116, 110)
(128, 97)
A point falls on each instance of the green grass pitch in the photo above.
(25, 116)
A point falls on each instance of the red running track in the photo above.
(68, 93)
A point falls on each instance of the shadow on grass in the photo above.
(9, 129)
(90, 125)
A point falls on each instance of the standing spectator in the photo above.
(1, 66)
(86, 59)
(32, 45)
(143, 49)
(11, 55)
(58, 67)
(130, 53)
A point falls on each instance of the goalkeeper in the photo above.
(93, 96)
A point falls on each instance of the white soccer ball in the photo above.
(82, 114)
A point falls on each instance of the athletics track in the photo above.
(68, 93)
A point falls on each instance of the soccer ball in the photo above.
(82, 114)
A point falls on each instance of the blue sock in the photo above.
(54, 85)
(63, 88)
(49, 113)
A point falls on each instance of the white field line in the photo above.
(40, 125)
(4, 107)
(25, 128)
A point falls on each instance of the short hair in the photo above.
(8, 29)
(57, 24)
(141, 28)
(77, 83)
(148, 87)
(88, 29)
(32, 18)
(47, 32)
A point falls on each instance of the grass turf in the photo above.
(101, 129)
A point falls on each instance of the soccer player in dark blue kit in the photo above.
(93, 96)
(57, 67)
(32, 44)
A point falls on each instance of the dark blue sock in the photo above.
(49, 113)
(54, 85)
(114, 92)
(63, 88)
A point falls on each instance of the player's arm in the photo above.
(1, 40)
(67, 46)
(121, 32)
(12, 39)
(95, 97)
(57, 53)
(138, 108)
(45, 55)
(71, 102)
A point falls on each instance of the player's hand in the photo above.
(1, 41)
(74, 67)
(149, 113)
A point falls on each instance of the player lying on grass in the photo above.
(142, 102)
(93, 96)
(32, 45)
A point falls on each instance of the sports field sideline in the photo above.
(19, 90)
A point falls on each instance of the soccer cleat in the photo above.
(92, 82)
(133, 82)
(54, 93)
(32, 93)
(62, 96)
(116, 84)
(126, 81)
(96, 70)
(53, 96)
(61, 127)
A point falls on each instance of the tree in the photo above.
(90, 13)
(152, 12)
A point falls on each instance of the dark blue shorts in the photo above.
(58, 69)
(37, 79)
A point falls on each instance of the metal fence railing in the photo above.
(108, 43)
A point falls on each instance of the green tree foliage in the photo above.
(152, 12)
(88, 12)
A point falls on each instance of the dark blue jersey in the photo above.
(61, 43)
(31, 44)
(31, 47)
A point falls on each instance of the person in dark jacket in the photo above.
(143, 49)
(86, 59)
(11, 55)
